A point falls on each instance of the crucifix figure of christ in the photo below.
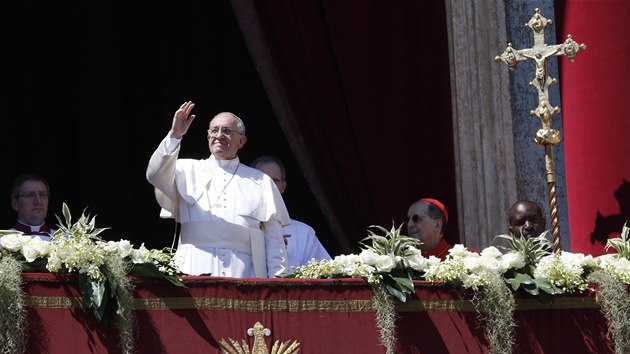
(546, 136)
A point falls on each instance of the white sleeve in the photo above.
(275, 249)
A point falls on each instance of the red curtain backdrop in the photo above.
(596, 121)
(362, 92)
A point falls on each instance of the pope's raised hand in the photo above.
(182, 120)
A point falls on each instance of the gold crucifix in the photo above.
(546, 136)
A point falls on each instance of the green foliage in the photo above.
(392, 242)
(84, 227)
(95, 295)
(151, 270)
(532, 249)
(541, 289)
(621, 244)
(398, 281)
(399, 287)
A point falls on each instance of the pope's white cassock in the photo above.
(231, 215)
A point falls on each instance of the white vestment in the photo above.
(302, 244)
(231, 215)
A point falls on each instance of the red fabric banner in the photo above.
(324, 316)
(596, 121)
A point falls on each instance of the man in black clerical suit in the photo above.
(29, 198)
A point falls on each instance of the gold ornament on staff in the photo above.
(546, 136)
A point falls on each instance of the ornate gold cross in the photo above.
(546, 136)
(259, 332)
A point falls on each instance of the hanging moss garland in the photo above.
(385, 317)
(12, 307)
(613, 297)
(495, 305)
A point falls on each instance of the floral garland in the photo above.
(390, 263)
(394, 261)
(12, 307)
(103, 268)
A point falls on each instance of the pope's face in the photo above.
(224, 137)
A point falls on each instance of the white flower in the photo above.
(122, 248)
(618, 266)
(472, 264)
(35, 248)
(369, 257)
(417, 261)
(512, 260)
(385, 263)
(565, 270)
(140, 255)
(14, 242)
(458, 251)
(491, 252)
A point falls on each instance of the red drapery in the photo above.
(596, 121)
(325, 316)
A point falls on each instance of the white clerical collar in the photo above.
(225, 164)
(33, 228)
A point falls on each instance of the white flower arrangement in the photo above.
(393, 260)
(103, 268)
(563, 272)
(567, 271)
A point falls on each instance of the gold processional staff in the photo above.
(546, 136)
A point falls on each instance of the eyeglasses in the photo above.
(414, 218)
(214, 132)
(32, 196)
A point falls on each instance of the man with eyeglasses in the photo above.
(426, 221)
(300, 238)
(231, 215)
(29, 198)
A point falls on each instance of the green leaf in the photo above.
(150, 270)
(94, 294)
(531, 288)
(113, 282)
(398, 286)
(547, 287)
(66, 214)
(397, 293)
(38, 265)
(405, 284)
(520, 279)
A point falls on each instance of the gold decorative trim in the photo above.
(559, 303)
(200, 303)
(54, 302)
(435, 305)
(255, 305)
